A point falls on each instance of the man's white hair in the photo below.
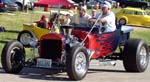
(84, 7)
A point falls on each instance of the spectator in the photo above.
(43, 23)
(82, 19)
(65, 19)
(95, 14)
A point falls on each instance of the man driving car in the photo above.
(107, 18)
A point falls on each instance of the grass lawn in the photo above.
(13, 23)
(142, 33)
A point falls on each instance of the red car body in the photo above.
(102, 44)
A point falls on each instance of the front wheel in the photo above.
(25, 37)
(77, 63)
(13, 57)
(136, 55)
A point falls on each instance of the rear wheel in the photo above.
(122, 21)
(136, 55)
(77, 63)
(13, 57)
(19, 6)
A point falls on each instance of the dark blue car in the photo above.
(7, 5)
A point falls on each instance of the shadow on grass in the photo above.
(3, 42)
(12, 31)
(6, 41)
(43, 74)
(10, 39)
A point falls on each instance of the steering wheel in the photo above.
(96, 27)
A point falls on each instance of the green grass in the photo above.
(142, 33)
(13, 25)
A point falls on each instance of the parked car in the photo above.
(8, 6)
(91, 5)
(133, 16)
(134, 3)
(11, 6)
(2, 7)
(31, 31)
(27, 3)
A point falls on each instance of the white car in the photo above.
(20, 3)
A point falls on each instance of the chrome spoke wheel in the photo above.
(143, 56)
(25, 38)
(80, 63)
(77, 63)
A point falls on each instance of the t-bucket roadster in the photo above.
(72, 52)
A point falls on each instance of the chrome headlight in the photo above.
(33, 42)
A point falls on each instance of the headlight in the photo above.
(33, 42)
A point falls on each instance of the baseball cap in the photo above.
(106, 4)
(43, 17)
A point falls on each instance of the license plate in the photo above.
(45, 63)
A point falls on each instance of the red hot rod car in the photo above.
(72, 52)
